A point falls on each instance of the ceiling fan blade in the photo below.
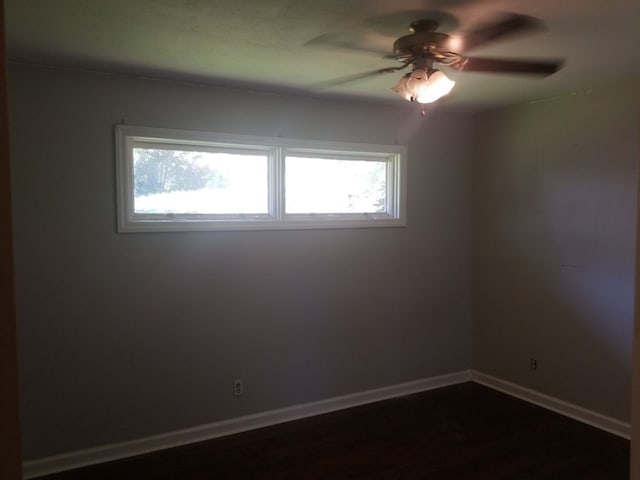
(499, 65)
(354, 78)
(344, 41)
(509, 25)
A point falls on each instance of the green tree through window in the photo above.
(159, 171)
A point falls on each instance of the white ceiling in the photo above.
(264, 44)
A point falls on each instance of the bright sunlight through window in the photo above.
(171, 180)
(183, 182)
(356, 186)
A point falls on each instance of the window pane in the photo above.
(175, 180)
(191, 182)
(324, 185)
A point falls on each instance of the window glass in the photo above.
(174, 180)
(325, 185)
(196, 182)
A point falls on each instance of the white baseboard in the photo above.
(105, 453)
(611, 425)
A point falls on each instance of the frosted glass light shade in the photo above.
(424, 86)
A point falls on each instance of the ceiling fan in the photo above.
(425, 48)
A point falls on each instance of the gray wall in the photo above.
(128, 335)
(554, 215)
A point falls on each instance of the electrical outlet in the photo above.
(533, 364)
(238, 387)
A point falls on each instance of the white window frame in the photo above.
(128, 137)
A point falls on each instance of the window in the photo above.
(172, 180)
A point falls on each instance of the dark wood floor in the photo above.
(465, 431)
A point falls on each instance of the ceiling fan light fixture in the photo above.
(424, 85)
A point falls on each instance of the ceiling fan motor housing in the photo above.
(419, 43)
